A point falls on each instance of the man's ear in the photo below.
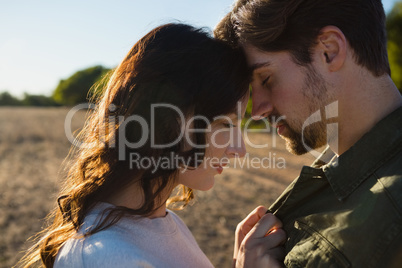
(332, 46)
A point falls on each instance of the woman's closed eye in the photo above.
(265, 81)
(229, 125)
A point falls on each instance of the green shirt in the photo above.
(348, 213)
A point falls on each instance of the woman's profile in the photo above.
(169, 115)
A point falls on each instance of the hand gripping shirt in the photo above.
(348, 213)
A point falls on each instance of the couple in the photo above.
(314, 61)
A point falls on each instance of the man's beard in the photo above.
(314, 135)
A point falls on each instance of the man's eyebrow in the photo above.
(258, 65)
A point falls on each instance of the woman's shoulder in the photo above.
(177, 220)
(111, 247)
(107, 248)
(131, 243)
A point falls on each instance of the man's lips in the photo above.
(280, 128)
(275, 121)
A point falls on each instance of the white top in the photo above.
(133, 242)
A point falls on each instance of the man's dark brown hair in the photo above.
(294, 25)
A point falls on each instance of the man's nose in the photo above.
(262, 105)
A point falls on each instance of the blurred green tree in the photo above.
(38, 100)
(76, 88)
(394, 36)
(6, 99)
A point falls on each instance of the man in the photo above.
(321, 76)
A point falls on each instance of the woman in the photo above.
(168, 117)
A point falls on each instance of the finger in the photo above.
(264, 225)
(248, 223)
(278, 230)
(272, 231)
(275, 239)
(255, 215)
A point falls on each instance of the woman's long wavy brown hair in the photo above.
(175, 64)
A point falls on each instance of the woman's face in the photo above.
(224, 141)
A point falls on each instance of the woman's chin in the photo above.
(206, 185)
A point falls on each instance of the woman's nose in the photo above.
(236, 148)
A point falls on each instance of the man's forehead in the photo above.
(259, 65)
(256, 58)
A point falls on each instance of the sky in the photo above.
(44, 41)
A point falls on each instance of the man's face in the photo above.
(288, 94)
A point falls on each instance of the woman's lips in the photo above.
(219, 168)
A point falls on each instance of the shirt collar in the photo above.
(346, 172)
